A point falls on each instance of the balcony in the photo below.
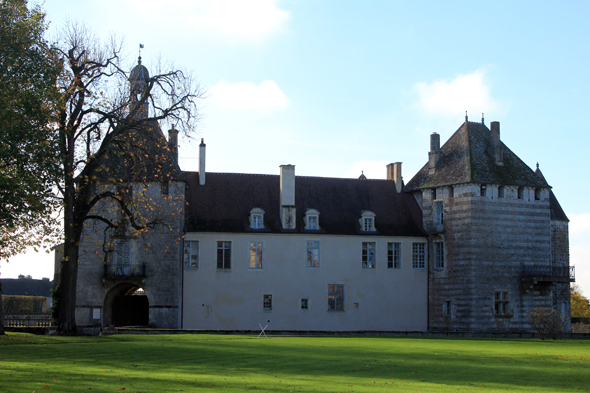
(124, 270)
(549, 273)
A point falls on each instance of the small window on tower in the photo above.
(520, 192)
(451, 192)
(482, 190)
(501, 192)
(537, 194)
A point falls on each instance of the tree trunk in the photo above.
(69, 264)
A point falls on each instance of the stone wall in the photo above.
(158, 249)
(488, 241)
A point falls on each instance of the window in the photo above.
(433, 194)
(191, 254)
(439, 262)
(501, 192)
(537, 194)
(439, 213)
(123, 250)
(267, 302)
(451, 192)
(447, 309)
(367, 221)
(223, 255)
(123, 258)
(305, 304)
(311, 220)
(501, 303)
(394, 255)
(418, 255)
(313, 253)
(257, 218)
(520, 192)
(255, 255)
(368, 255)
(335, 297)
(482, 190)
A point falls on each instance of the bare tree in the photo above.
(109, 138)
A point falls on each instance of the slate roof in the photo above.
(468, 157)
(26, 287)
(557, 212)
(140, 154)
(223, 204)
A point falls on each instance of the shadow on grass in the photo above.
(149, 363)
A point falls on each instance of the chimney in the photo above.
(202, 148)
(434, 153)
(288, 196)
(497, 145)
(173, 142)
(394, 173)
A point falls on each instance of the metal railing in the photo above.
(124, 270)
(41, 320)
(558, 272)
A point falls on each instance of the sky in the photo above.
(341, 87)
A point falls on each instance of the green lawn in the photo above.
(199, 363)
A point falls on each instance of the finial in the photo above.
(482, 122)
(466, 117)
(537, 165)
(139, 60)
(173, 126)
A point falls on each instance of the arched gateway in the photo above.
(126, 305)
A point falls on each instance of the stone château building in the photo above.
(474, 241)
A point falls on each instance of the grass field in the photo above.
(201, 363)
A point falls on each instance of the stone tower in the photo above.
(498, 237)
(130, 273)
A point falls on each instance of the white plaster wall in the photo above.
(388, 299)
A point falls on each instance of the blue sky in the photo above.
(338, 87)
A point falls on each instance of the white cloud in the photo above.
(237, 20)
(469, 92)
(371, 169)
(246, 95)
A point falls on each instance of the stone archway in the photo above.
(126, 305)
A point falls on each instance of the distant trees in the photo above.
(29, 163)
(579, 303)
(106, 129)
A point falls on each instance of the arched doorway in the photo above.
(126, 305)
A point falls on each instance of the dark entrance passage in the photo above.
(131, 308)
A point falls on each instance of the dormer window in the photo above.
(311, 219)
(367, 221)
(257, 218)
